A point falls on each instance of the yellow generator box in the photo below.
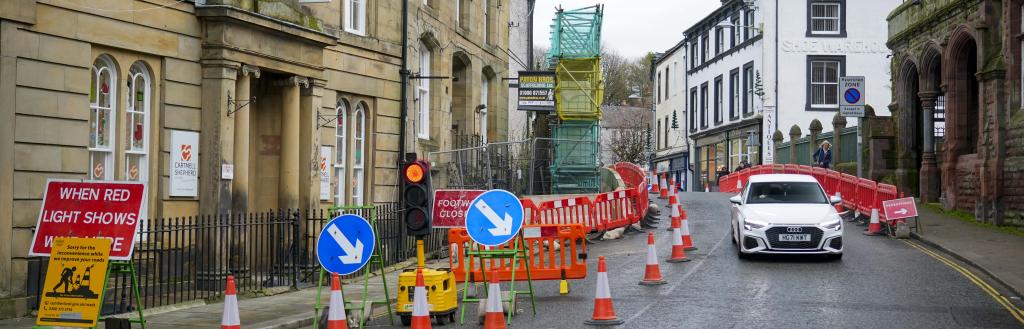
(442, 296)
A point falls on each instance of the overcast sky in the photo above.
(631, 27)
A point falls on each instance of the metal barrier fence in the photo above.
(522, 167)
(182, 259)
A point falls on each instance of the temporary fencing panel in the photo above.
(804, 170)
(848, 189)
(865, 195)
(885, 192)
(763, 169)
(791, 168)
(832, 182)
(821, 175)
(555, 252)
(778, 168)
(578, 210)
(530, 210)
(616, 209)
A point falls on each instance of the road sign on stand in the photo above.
(899, 208)
(90, 209)
(494, 217)
(74, 285)
(345, 244)
(450, 206)
(851, 96)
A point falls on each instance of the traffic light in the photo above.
(416, 196)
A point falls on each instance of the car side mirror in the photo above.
(835, 199)
(737, 200)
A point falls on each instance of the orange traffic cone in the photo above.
(604, 312)
(739, 185)
(671, 186)
(657, 183)
(685, 228)
(336, 318)
(664, 190)
(875, 227)
(420, 308)
(707, 188)
(673, 202)
(678, 249)
(230, 320)
(652, 273)
(495, 318)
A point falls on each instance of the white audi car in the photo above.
(786, 214)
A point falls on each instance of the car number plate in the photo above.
(794, 237)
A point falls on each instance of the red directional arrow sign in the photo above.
(899, 208)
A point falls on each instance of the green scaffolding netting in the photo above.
(576, 33)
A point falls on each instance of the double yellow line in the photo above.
(1002, 300)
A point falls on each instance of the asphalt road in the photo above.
(879, 283)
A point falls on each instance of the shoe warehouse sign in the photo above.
(536, 90)
(90, 209)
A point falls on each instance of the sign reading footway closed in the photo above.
(73, 289)
(449, 208)
(89, 209)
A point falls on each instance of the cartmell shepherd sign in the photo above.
(536, 90)
(184, 177)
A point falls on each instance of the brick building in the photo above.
(957, 117)
(99, 90)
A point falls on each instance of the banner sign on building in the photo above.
(536, 90)
(184, 180)
(449, 208)
(768, 144)
(325, 173)
(90, 209)
(73, 289)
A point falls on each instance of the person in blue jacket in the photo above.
(823, 156)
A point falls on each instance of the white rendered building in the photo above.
(669, 141)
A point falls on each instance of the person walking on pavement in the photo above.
(823, 156)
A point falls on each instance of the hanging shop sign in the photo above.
(325, 173)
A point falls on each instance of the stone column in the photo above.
(777, 138)
(288, 184)
(929, 180)
(240, 185)
(794, 134)
(838, 123)
(309, 141)
(215, 145)
(813, 140)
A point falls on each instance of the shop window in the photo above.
(341, 142)
(102, 102)
(358, 153)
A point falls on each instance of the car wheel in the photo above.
(838, 256)
(735, 241)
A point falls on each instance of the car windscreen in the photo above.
(785, 192)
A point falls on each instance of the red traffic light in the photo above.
(414, 173)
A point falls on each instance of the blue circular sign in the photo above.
(494, 217)
(852, 95)
(345, 244)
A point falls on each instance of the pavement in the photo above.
(996, 253)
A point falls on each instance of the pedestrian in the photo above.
(65, 279)
(823, 156)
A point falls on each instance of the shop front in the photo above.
(722, 151)
(675, 166)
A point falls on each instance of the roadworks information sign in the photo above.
(73, 290)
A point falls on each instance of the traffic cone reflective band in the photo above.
(336, 318)
(230, 320)
(685, 229)
(494, 319)
(664, 190)
(673, 200)
(420, 308)
(875, 227)
(678, 250)
(652, 272)
(604, 312)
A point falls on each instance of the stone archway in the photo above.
(960, 159)
(932, 108)
(908, 144)
(462, 104)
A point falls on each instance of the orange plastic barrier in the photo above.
(530, 210)
(848, 189)
(578, 210)
(616, 209)
(865, 195)
(567, 260)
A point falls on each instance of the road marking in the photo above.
(999, 298)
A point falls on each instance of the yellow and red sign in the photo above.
(73, 290)
(90, 209)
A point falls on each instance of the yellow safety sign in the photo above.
(73, 290)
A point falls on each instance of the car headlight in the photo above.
(753, 224)
(833, 224)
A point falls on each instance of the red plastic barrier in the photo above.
(617, 209)
(821, 175)
(744, 176)
(555, 252)
(885, 192)
(530, 210)
(803, 170)
(865, 197)
(578, 210)
(832, 181)
(848, 190)
(790, 168)
(635, 179)
(778, 169)
(642, 199)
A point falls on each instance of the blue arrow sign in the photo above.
(345, 244)
(494, 217)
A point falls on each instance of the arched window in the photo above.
(423, 94)
(485, 104)
(102, 102)
(137, 116)
(341, 143)
(359, 150)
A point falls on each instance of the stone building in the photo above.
(957, 64)
(98, 90)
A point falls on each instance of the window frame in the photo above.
(811, 59)
(704, 105)
(100, 64)
(704, 45)
(668, 78)
(341, 146)
(748, 22)
(657, 94)
(350, 12)
(668, 126)
(719, 40)
(734, 94)
(423, 93)
(487, 22)
(693, 109)
(841, 20)
(719, 93)
(485, 85)
(138, 70)
(735, 33)
(359, 157)
(748, 89)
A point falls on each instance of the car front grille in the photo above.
(773, 237)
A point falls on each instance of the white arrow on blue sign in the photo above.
(494, 217)
(345, 244)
